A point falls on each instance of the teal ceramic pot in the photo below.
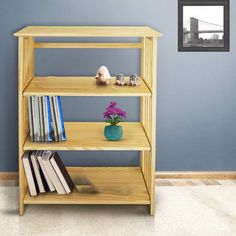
(113, 132)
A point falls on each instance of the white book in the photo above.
(48, 180)
(36, 169)
(35, 118)
(61, 172)
(51, 172)
(58, 120)
(30, 119)
(53, 115)
(41, 125)
(47, 119)
(30, 177)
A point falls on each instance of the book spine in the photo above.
(60, 138)
(35, 119)
(49, 119)
(45, 114)
(53, 118)
(46, 120)
(61, 118)
(42, 138)
(30, 119)
(45, 130)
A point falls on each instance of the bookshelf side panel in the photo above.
(148, 116)
(25, 74)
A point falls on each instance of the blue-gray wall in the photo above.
(196, 91)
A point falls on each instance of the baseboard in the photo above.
(8, 176)
(195, 175)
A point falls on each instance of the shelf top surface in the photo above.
(104, 185)
(82, 86)
(89, 136)
(87, 31)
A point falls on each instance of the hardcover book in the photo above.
(51, 172)
(37, 170)
(30, 176)
(62, 172)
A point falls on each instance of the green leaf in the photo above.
(109, 121)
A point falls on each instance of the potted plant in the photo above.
(113, 116)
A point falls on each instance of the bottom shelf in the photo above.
(100, 185)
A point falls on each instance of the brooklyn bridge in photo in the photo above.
(202, 34)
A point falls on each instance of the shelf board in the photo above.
(87, 31)
(104, 185)
(81, 86)
(89, 136)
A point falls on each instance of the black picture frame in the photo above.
(226, 26)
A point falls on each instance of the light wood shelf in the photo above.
(114, 185)
(87, 31)
(82, 86)
(89, 136)
(105, 185)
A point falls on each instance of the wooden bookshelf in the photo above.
(106, 185)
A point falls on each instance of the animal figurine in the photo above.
(103, 76)
(120, 80)
(133, 80)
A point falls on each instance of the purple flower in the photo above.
(113, 104)
(121, 113)
(114, 114)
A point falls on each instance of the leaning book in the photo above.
(30, 176)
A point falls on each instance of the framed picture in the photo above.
(203, 25)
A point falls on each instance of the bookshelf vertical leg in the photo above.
(22, 189)
(25, 74)
(148, 116)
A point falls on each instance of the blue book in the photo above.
(47, 119)
(61, 119)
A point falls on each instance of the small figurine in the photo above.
(120, 80)
(103, 76)
(133, 80)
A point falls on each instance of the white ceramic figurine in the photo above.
(103, 76)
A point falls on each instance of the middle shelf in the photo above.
(89, 136)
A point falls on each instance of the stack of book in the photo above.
(46, 119)
(45, 172)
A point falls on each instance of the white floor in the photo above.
(190, 211)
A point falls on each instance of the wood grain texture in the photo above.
(148, 115)
(25, 74)
(100, 185)
(87, 31)
(176, 175)
(82, 86)
(86, 45)
(89, 136)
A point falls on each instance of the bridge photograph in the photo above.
(203, 26)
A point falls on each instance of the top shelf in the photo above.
(87, 31)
